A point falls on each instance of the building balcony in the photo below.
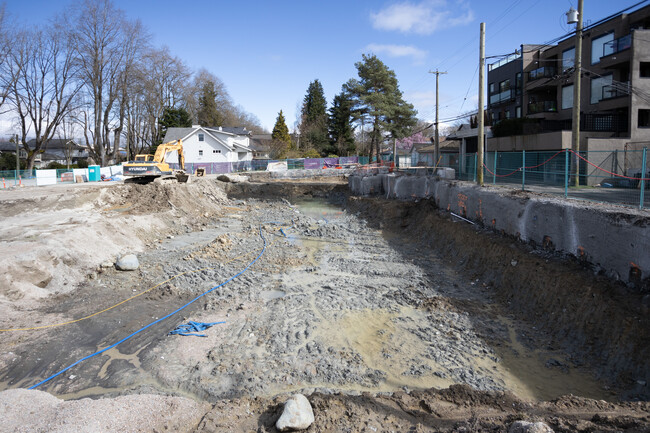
(504, 61)
(617, 45)
(503, 97)
(617, 53)
(543, 72)
(618, 90)
(542, 107)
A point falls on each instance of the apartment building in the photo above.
(536, 85)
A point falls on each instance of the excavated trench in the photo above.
(354, 294)
(569, 330)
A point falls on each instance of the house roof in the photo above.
(447, 145)
(55, 143)
(465, 130)
(7, 146)
(174, 134)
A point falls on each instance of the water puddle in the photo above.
(114, 354)
(319, 209)
(541, 375)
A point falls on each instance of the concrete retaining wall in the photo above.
(615, 239)
(300, 174)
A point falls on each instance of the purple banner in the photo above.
(312, 163)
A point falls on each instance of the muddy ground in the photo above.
(388, 315)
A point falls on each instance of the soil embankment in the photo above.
(388, 315)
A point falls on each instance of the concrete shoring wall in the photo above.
(615, 239)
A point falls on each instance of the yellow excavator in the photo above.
(149, 168)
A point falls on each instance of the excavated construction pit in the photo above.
(361, 303)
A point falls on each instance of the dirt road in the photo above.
(348, 307)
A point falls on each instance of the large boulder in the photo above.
(234, 178)
(128, 262)
(297, 414)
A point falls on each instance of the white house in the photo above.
(204, 145)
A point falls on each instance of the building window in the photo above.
(644, 69)
(491, 88)
(518, 83)
(201, 137)
(597, 85)
(598, 47)
(507, 114)
(568, 59)
(518, 112)
(504, 85)
(567, 97)
(200, 153)
(644, 118)
(216, 151)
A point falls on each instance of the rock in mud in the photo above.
(529, 427)
(297, 414)
(128, 262)
(233, 178)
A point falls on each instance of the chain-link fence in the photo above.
(618, 176)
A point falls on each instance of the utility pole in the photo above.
(437, 142)
(575, 142)
(480, 139)
(17, 155)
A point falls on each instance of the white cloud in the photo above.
(398, 51)
(422, 18)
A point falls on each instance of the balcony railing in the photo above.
(542, 107)
(504, 61)
(506, 95)
(615, 91)
(543, 72)
(617, 45)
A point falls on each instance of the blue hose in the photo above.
(156, 321)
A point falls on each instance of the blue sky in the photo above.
(267, 52)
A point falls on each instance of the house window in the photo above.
(644, 118)
(644, 69)
(598, 47)
(200, 153)
(568, 59)
(518, 112)
(597, 85)
(216, 151)
(201, 137)
(567, 97)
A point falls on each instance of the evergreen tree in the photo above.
(174, 118)
(208, 113)
(313, 126)
(340, 125)
(376, 96)
(280, 136)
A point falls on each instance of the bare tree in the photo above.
(65, 132)
(44, 85)
(97, 29)
(164, 81)
(136, 42)
(5, 50)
